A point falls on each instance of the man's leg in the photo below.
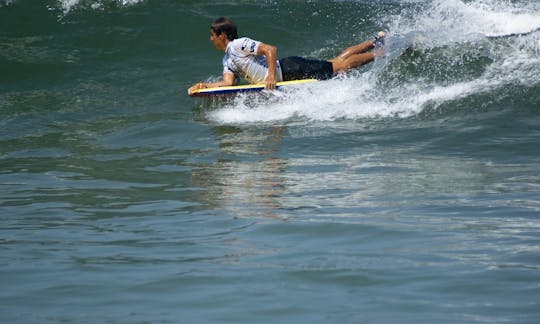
(356, 49)
(356, 56)
(353, 61)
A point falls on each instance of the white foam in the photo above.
(68, 5)
(456, 20)
(328, 100)
(6, 2)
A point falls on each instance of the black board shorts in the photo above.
(298, 68)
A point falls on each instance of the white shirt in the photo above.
(241, 59)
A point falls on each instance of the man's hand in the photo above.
(270, 83)
(197, 86)
(228, 80)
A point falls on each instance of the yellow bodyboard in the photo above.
(244, 88)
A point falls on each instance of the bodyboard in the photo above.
(244, 88)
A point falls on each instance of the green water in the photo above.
(404, 192)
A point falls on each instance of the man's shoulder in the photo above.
(242, 39)
(246, 44)
(239, 42)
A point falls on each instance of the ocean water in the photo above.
(407, 191)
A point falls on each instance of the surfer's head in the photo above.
(224, 25)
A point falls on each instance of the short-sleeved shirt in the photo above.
(242, 60)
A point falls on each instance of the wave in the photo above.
(436, 54)
(458, 20)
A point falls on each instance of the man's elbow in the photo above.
(268, 50)
(273, 51)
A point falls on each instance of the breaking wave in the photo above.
(436, 54)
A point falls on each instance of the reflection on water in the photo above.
(248, 177)
(254, 173)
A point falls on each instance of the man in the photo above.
(257, 62)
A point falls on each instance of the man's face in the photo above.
(219, 41)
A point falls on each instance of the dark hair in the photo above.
(225, 25)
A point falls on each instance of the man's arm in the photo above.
(228, 80)
(270, 52)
